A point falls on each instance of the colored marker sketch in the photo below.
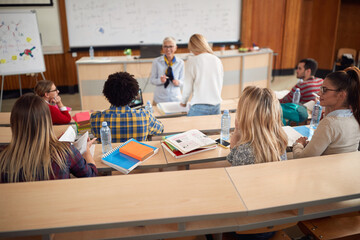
(16, 43)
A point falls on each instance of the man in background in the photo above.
(308, 84)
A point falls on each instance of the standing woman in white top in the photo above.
(339, 131)
(204, 75)
(167, 74)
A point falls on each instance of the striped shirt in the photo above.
(307, 88)
(126, 123)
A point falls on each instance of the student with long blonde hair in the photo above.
(258, 135)
(204, 76)
(34, 152)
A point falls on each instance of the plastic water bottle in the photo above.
(315, 118)
(149, 107)
(296, 97)
(225, 126)
(105, 135)
(91, 52)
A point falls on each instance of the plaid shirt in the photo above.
(126, 123)
(75, 164)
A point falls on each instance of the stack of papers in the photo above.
(167, 108)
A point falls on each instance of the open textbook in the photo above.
(70, 136)
(190, 140)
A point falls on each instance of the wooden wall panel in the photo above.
(348, 33)
(291, 34)
(319, 27)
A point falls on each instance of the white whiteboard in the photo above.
(134, 22)
(20, 47)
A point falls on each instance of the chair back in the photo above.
(342, 51)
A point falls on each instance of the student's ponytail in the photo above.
(354, 91)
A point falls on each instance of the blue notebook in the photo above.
(122, 162)
(303, 130)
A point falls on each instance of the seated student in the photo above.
(339, 131)
(48, 91)
(167, 74)
(120, 89)
(258, 135)
(306, 70)
(34, 153)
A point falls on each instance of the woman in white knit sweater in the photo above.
(339, 131)
(204, 76)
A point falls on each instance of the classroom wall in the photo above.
(348, 32)
(294, 29)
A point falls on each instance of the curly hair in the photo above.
(120, 88)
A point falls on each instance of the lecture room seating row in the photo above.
(183, 203)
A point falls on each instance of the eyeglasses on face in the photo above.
(55, 90)
(325, 89)
(165, 46)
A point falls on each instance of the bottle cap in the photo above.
(318, 102)
(297, 90)
(226, 111)
(104, 124)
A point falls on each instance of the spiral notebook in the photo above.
(122, 162)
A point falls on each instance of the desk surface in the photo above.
(156, 161)
(132, 200)
(5, 132)
(177, 196)
(206, 124)
(287, 184)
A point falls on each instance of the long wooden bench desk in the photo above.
(148, 206)
(207, 124)
(230, 104)
(5, 133)
(163, 159)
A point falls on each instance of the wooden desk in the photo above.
(226, 104)
(117, 201)
(5, 133)
(240, 70)
(198, 201)
(206, 124)
(298, 183)
(157, 161)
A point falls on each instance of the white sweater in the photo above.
(333, 135)
(204, 75)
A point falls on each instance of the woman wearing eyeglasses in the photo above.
(167, 74)
(48, 91)
(339, 131)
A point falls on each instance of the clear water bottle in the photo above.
(105, 135)
(296, 97)
(315, 118)
(91, 52)
(225, 126)
(149, 107)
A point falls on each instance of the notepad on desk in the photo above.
(125, 163)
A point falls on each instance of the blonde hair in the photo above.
(42, 87)
(33, 145)
(169, 39)
(198, 44)
(259, 123)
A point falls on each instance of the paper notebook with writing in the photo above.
(123, 162)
